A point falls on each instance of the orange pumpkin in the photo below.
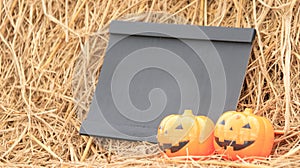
(243, 134)
(186, 135)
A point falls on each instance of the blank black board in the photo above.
(153, 70)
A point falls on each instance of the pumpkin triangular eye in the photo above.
(179, 127)
(222, 122)
(247, 126)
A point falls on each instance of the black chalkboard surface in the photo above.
(153, 70)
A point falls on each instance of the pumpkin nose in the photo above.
(238, 117)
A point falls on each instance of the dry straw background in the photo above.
(46, 81)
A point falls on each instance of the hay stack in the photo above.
(41, 45)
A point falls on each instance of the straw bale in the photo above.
(49, 68)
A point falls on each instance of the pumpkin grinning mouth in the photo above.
(173, 149)
(233, 144)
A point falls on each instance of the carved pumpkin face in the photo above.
(182, 135)
(243, 134)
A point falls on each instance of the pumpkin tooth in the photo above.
(240, 140)
(221, 139)
(179, 146)
(233, 144)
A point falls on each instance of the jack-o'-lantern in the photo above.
(186, 135)
(243, 134)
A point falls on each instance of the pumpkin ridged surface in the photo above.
(242, 135)
(186, 135)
